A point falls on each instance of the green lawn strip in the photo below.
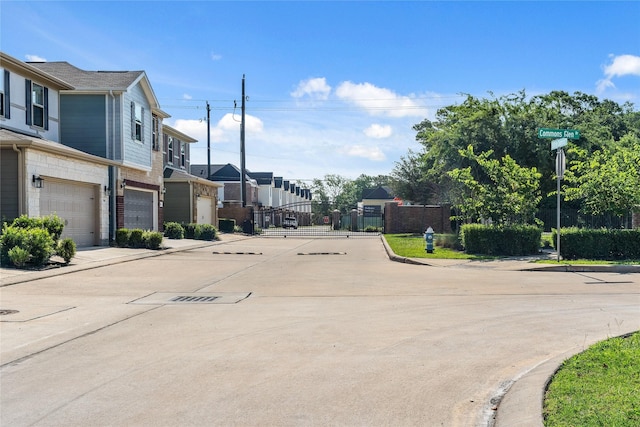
(599, 387)
(412, 246)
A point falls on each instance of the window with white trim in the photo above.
(37, 105)
(138, 122)
(4, 94)
(170, 150)
(183, 156)
(154, 133)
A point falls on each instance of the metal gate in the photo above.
(299, 219)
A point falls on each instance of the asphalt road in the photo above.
(303, 332)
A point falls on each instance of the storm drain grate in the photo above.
(185, 298)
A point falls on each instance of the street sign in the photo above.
(558, 143)
(558, 133)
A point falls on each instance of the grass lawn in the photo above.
(599, 387)
(412, 246)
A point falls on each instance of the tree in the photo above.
(410, 179)
(606, 180)
(509, 195)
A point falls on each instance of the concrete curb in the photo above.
(393, 257)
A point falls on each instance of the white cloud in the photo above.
(215, 56)
(378, 131)
(371, 153)
(315, 88)
(35, 58)
(376, 100)
(187, 96)
(622, 65)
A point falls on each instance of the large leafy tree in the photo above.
(606, 180)
(508, 126)
(508, 194)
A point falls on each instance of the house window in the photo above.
(170, 150)
(183, 157)
(4, 95)
(154, 131)
(137, 122)
(37, 105)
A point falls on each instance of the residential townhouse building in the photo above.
(39, 175)
(188, 198)
(115, 115)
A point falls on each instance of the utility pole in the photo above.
(243, 192)
(208, 141)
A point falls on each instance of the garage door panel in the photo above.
(138, 209)
(205, 210)
(75, 204)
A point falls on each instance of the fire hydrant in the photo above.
(428, 237)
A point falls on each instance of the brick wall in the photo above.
(416, 219)
(635, 219)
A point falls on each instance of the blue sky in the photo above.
(333, 87)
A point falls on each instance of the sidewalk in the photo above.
(98, 256)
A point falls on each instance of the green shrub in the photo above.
(54, 225)
(122, 237)
(135, 238)
(609, 244)
(26, 222)
(66, 249)
(40, 245)
(152, 239)
(18, 256)
(173, 230)
(227, 225)
(205, 232)
(501, 240)
(10, 238)
(189, 230)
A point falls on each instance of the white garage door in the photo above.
(75, 203)
(205, 209)
(138, 209)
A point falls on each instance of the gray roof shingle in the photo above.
(88, 80)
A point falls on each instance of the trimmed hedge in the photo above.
(137, 238)
(32, 241)
(501, 240)
(227, 225)
(605, 244)
(205, 232)
(173, 230)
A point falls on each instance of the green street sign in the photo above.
(558, 133)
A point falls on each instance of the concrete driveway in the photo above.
(296, 332)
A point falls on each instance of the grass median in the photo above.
(411, 245)
(599, 387)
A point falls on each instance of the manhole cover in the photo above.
(6, 312)
(186, 298)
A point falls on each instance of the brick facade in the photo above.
(416, 219)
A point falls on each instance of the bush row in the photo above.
(501, 240)
(174, 230)
(138, 238)
(606, 244)
(33, 241)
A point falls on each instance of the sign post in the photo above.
(560, 139)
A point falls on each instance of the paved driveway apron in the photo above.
(302, 332)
